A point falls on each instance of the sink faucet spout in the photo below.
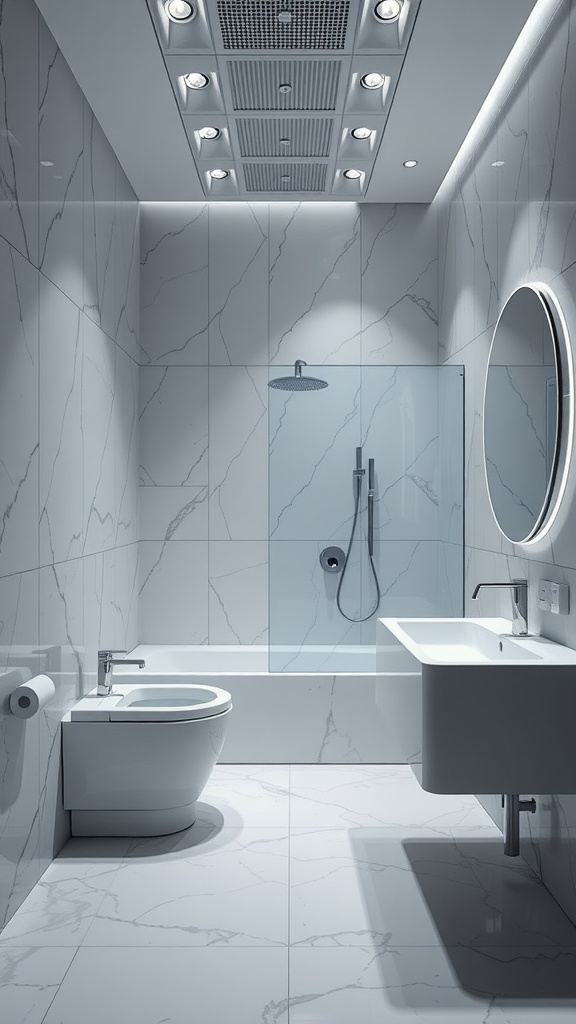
(519, 590)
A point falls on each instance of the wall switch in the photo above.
(544, 595)
(559, 598)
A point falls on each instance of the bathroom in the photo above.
(144, 465)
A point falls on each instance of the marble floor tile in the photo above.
(29, 980)
(400, 887)
(386, 796)
(60, 908)
(230, 890)
(250, 795)
(173, 986)
(432, 985)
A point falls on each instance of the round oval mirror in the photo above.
(522, 413)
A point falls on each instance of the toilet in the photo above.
(136, 760)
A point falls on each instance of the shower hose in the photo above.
(364, 618)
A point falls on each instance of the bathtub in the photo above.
(322, 716)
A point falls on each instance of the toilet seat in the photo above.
(167, 702)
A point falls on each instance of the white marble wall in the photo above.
(232, 294)
(501, 227)
(68, 422)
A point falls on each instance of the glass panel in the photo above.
(409, 419)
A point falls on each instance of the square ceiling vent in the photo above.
(284, 84)
(284, 136)
(285, 177)
(283, 24)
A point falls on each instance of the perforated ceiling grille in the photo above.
(284, 84)
(285, 177)
(283, 24)
(285, 136)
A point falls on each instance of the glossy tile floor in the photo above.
(304, 894)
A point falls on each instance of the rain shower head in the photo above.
(298, 382)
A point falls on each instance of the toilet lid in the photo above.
(169, 702)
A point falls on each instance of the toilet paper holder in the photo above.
(27, 699)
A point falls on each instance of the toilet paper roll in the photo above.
(27, 699)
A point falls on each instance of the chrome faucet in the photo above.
(105, 663)
(519, 590)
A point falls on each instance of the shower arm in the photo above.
(370, 507)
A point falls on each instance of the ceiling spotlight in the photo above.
(361, 133)
(388, 10)
(285, 17)
(373, 80)
(218, 173)
(47, 163)
(285, 179)
(196, 80)
(285, 87)
(209, 133)
(352, 173)
(410, 163)
(498, 163)
(179, 10)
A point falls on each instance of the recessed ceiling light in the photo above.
(218, 173)
(196, 80)
(498, 163)
(285, 87)
(209, 133)
(410, 163)
(373, 80)
(361, 133)
(179, 10)
(388, 10)
(285, 179)
(352, 173)
(285, 17)
(47, 163)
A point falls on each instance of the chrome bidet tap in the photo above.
(105, 663)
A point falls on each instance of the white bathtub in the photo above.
(326, 716)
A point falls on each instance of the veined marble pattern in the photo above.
(238, 581)
(174, 283)
(173, 426)
(68, 468)
(315, 283)
(173, 590)
(303, 921)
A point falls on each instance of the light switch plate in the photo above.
(544, 595)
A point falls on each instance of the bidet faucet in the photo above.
(519, 590)
(105, 663)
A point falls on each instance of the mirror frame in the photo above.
(558, 478)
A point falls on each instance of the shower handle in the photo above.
(371, 507)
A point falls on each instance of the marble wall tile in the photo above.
(126, 448)
(61, 445)
(18, 417)
(98, 437)
(237, 455)
(69, 408)
(61, 193)
(173, 592)
(178, 513)
(239, 284)
(173, 426)
(238, 581)
(399, 283)
(174, 283)
(315, 283)
(19, 127)
(100, 229)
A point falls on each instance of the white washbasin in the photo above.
(477, 710)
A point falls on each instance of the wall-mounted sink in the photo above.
(477, 710)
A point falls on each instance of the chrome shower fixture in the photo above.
(357, 474)
(298, 382)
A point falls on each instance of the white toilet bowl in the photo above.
(136, 760)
